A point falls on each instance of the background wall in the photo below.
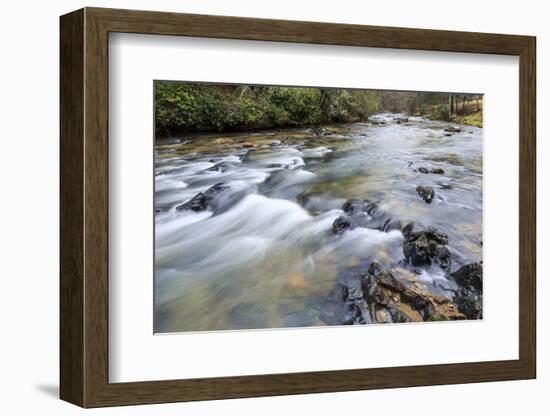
(29, 85)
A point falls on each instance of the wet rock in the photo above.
(363, 213)
(447, 135)
(423, 170)
(408, 230)
(453, 129)
(426, 193)
(389, 300)
(390, 224)
(469, 304)
(354, 206)
(470, 277)
(317, 131)
(469, 297)
(248, 145)
(444, 310)
(394, 300)
(220, 167)
(437, 171)
(356, 310)
(340, 225)
(424, 248)
(203, 200)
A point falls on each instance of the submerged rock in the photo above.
(426, 193)
(340, 225)
(247, 145)
(354, 206)
(437, 171)
(203, 200)
(363, 213)
(220, 167)
(424, 248)
(355, 307)
(423, 170)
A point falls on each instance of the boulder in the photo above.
(426, 193)
(378, 296)
(389, 300)
(470, 277)
(437, 171)
(469, 304)
(469, 297)
(340, 225)
(203, 200)
(453, 129)
(248, 145)
(423, 170)
(424, 248)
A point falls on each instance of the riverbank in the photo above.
(469, 114)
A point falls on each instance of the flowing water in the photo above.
(264, 255)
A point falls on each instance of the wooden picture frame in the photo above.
(84, 207)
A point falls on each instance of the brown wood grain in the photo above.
(84, 207)
(71, 203)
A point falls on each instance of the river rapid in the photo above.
(264, 254)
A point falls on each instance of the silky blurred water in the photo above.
(265, 256)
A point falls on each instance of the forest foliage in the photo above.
(188, 107)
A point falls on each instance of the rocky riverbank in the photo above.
(369, 293)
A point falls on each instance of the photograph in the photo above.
(294, 207)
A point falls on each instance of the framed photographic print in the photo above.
(257, 207)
